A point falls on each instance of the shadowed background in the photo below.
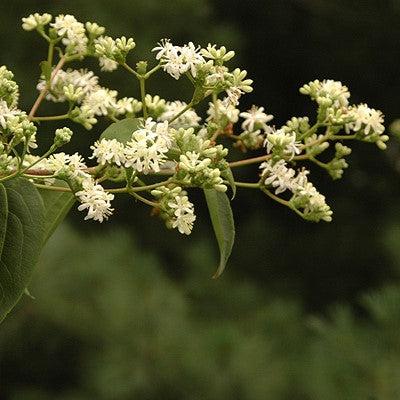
(127, 309)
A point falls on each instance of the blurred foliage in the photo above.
(113, 326)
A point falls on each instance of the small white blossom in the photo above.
(84, 79)
(61, 162)
(187, 119)
(6, 112)
(147, 149)
(278, 175)
(101, 101)
(328, 92)
(183, 214)
(128, 105)
(225, 110)
(255, 118)
(282, 141)
(73, 33)
(177, 60)
(107, 65)
(367, 119)
(108, 152)
(95, 200)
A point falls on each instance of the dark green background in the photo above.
(127, 310)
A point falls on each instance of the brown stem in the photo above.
(44, 91)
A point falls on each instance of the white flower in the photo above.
(147, 149)
(224, 109)
(234, 94)
(95, 200)
(177, 60)
(328, 92)
(336, 91)
(187, 119)
(163, 48)
(312, 202)
(6, 112)
(101, 101)
(278, 175)
(128, 105)
(64, 24)
(107, 65)
(183, 214)
(72, 32)
(367, 119)
(282, 141)
(61, 162)
(108, 152)
(84, 79)
(255, 118)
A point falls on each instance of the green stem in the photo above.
(131, 70)
(247, 185)
(50, 53)
(139, 188)
(190, 105)
(343, 137)
(319, 163)
(190, 77)
(310, 131)
(142, 81)
(151, 72)
(6, 178)
(51, 117)
(143, 199)
(48, 152)
(274, 197)
(53, 188)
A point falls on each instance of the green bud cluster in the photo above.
(62, 136)
(9, 91)
(337, 165)
(299, 125)
(115, 50)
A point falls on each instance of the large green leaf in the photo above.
(21, 239)
(224, 227)
(56, 207)
(122, 130)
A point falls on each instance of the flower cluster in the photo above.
(175, 208)
(156, 150)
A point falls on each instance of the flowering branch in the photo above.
(153, 136)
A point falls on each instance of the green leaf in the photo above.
(224, 227)
(228, 175)
(122, 130)
(21, 239)
(46, 68)
(56, 207)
